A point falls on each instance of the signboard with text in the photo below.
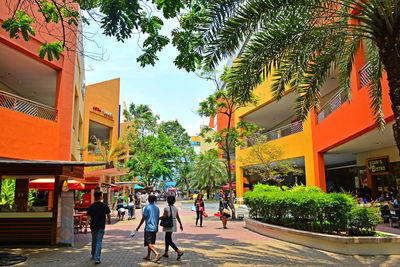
(378, 165)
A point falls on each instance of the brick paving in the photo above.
(206, 246)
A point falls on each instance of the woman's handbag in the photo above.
(168, 222)
(205, 214)
(226, 212)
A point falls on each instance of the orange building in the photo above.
(36, 98)
(338, 147)
(37, 114)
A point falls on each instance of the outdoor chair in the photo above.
(395, 218)
(385, 213)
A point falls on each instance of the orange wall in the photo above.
(355, 118)
(26, 137)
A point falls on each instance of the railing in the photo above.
(336, 101)
(365, 75)
(27, 106)
(292, 128)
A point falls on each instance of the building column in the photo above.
(319, 169)
(1, 181)
(56, 220)
(21, 194)
(239, 185)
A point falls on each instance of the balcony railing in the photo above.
(27, 106)
(365, 74)
(336, 101)
(292, 128)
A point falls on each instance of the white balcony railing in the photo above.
(336, 101)
(27, 106)
(292, 128)
(365, 75)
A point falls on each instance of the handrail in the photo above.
(289, 129)
(332, 104)
(27, 106)
(365, 73)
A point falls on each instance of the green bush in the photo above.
(363, 221)
(305, 208)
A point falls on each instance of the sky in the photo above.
(170, 92)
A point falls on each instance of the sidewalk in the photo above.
(207, 246)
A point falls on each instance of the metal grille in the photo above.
(334, 103)
(27, 106)
(365, 75)
(292, 128)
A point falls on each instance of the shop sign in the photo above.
(105, 113)
(379, 165)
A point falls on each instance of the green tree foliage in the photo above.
(7, 192)
(265, 161)
(152, 151)
(209, 172)
(299, 42)
(225, 102)
(184, 161)
(119, 19)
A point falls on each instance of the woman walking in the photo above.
(223, 209)
(131, 208)
(199, 205)
(171, 210)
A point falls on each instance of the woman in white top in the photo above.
(168, 231)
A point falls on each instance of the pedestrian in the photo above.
(199, 205)
(96, 214)
(131, 208)
(224, 204)
(171, 210)
(151, 213)
(120, 204)
(144, 201)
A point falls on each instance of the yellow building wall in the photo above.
(104, 95)
(294, 146)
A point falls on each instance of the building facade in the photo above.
(338, 146)
(101, 117)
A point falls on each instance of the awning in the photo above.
(114, 187)
(48, 184)
(173, 189)
(227, 186)
(107, 172)
(138, 186)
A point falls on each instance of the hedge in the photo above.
(308, 208)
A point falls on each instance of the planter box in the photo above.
(368, 245)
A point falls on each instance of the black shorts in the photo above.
(149, 238)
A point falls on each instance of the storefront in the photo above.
(53, 224)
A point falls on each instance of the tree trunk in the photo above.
(229, 169)
(389, 51)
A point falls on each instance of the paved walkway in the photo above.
(206, 246)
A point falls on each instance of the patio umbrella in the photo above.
(48, 184)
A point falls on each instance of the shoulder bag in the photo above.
(167, 222)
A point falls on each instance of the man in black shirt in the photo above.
(97, 216)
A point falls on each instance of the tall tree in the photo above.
(151, 150)
(209, 172)
(300, 42)
(119, 19)
(226, 102)
(184, 161)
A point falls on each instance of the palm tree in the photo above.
(105, 153)
(300, 42)
(209, 172)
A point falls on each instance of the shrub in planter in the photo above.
(363, 221)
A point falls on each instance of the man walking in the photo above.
(97, 213)
(151, 213)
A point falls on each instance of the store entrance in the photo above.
(383, 182)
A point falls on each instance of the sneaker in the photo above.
(97, 262)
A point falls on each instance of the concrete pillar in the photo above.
(239, 185)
